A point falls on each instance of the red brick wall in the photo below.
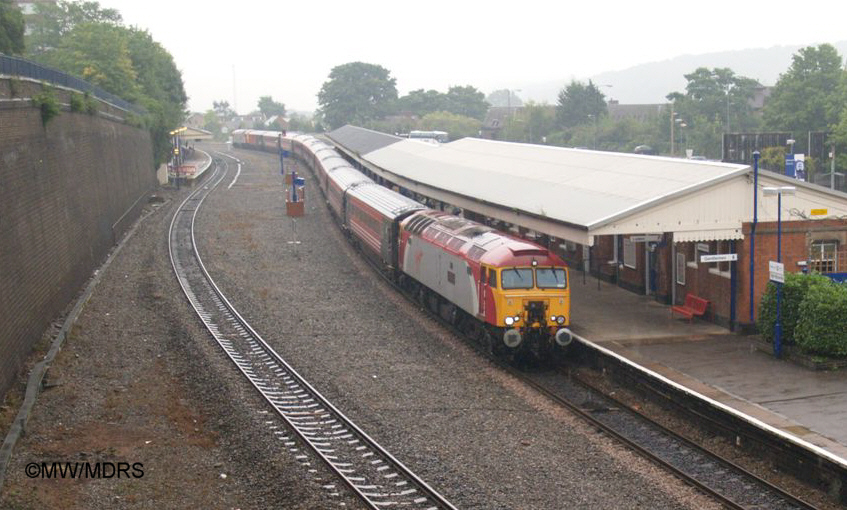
(62, 189)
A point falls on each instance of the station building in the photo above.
(642, 222)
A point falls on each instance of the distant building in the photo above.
(496, 119)
(27, 8)
(196, 120)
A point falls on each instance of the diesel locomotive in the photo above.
(509, 294)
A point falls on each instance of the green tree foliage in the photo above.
(223, 111)
(458, 126)
(301, 123)
(89, 42)
(715, 101)
(11, 28)
(269, 107)
(580, 104)
(212, 123)
(355, 93)
(504, 98)
(51, 23)
(531, 124)
(99, 54)
(466, 101)
(420, 102)
(48, 104)
(806, 97)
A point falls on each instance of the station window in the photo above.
(680, 268)
(824, 257)
(629, 253)
(720, 268)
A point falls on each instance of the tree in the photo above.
(458, 126)
(466, 101)
(223, 111)
(269, 107)
(420, 102)
(503, 98)
(580, 104)
(98, 53)
(11, 28)
(51, 23)
(806, 97)
(715, 101)
(355, 93)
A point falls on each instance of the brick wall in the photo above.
(63, 191)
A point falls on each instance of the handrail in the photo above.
(15, 66)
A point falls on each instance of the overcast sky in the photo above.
(286, 49)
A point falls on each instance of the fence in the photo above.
(13, 66)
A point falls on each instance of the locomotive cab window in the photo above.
(551, 278)
(492, 278)
(517, 278)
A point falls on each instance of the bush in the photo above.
(90, 104)
(823, 316)
(794, 290)
(77, 103)
(47, 103)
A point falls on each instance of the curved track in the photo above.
(369, 470)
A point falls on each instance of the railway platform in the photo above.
(713, 362)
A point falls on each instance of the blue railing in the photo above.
(15, 66)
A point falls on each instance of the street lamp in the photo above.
(778, 191)
(509, 106)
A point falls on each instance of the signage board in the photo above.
(703, 247)
(647, 238)
(789, 165)
(820, 212)
(800, 166)
(777, 271)
(723, 257)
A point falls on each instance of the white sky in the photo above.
(286, 49)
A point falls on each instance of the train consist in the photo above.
(510, 295)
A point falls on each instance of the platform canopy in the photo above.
(578, 194)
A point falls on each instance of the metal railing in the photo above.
(18, 67)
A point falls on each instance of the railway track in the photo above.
(716, 476)
(370, 471)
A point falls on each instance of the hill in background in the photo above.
(651, 82)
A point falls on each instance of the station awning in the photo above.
(699, 236)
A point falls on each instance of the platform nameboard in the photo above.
(648, 238)
(723, 257)
(777, 271)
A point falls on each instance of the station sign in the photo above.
(777, 271)
(723, 257)
(819, 212)
(647, 238)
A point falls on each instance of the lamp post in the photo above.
(777, 330)
(509, 107)
(753, 229)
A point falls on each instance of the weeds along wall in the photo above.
(68, 190)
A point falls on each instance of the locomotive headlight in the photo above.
(517, 318)
(510, 321)
(561, 319)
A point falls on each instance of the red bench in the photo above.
(693, 306)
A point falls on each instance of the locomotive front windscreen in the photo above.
(517, 278)
(551, 278)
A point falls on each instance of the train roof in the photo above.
(387, 202)
(346, 177)
(479, 242)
